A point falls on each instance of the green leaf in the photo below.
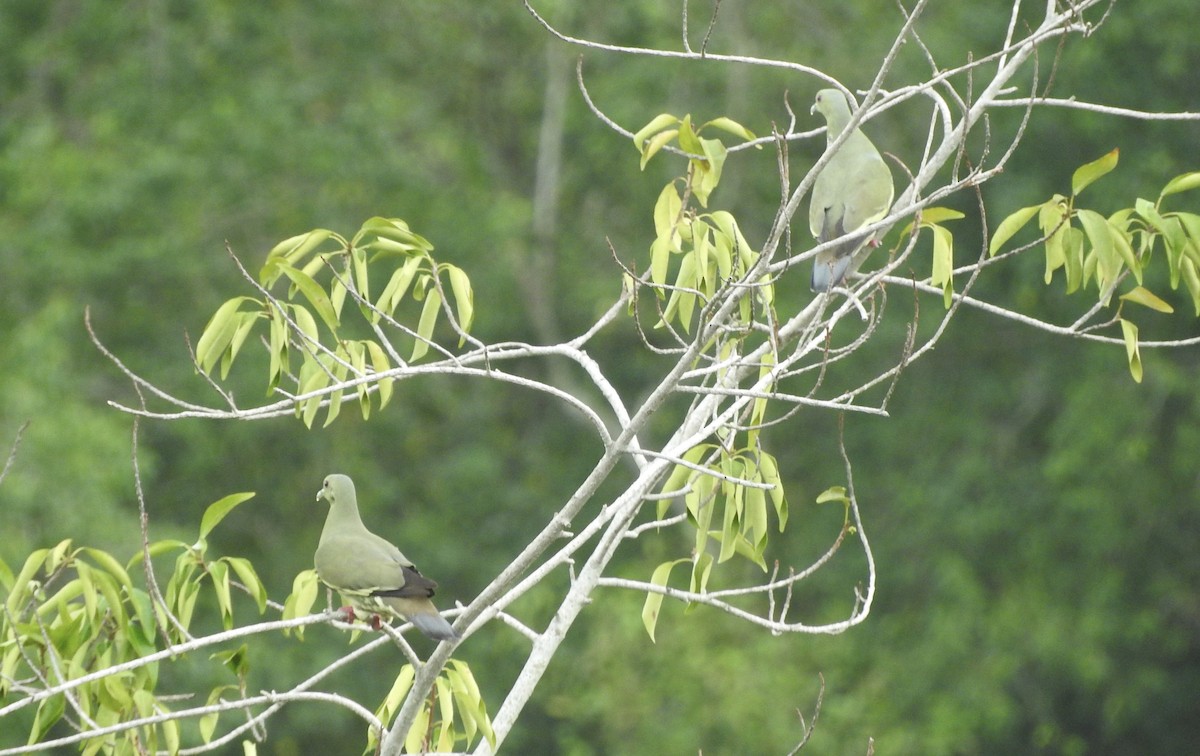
(218, 509)
(306, 323)
(381, 364)
(291, 251)
(471, 706)
(219, 573)
(754, 525)
(1089, 172)
(219, 333)
(943, 262)
(1125, 252)
(659, 141)
(304, 594)
(464, 297)
(358, 264)
(18, 594)
(728, 227)
(680, 475)
(110, 564)
(1052, 218)
(770, 474)
(701, 571)
(1010, 226)
(249, 578)
(731, 126)
(707, 173)
(278, 348)
(429, 313)
(667, 211)
(316, 296)
(1181, 183)
(657, 124)
(660, 257)
(396, 230)
(729, 524)
(931, 216)
(397, 286)
(650, 609)
(1130, 332)
(1096, 227)
(1073, 244)
(833, 493)
(689, 142)
(156, 548)
(1146, 298)
(49, 711)
(414, 740)
(1191, 277)
(246, 321)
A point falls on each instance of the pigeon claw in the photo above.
(349, 612)
(376, 622)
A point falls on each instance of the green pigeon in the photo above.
(853, 189)
(369, 572)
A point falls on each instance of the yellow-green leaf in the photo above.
(1181, 184)
(688, 141)
(249, 578)
(1130, 332)
(1089, 172)
(833, 493)
(657, 124)
(659, 141)
(218, 509)
(934, 215)
(464, 296)
(1010, 226)
(1191, 277)
(650, 609)
(291, 251)
(1147, 298)
(380, 363)
(313, 292)
(731, 126)
(667, 210)
(429, 313)
(219, 333)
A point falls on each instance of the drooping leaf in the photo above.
(660, 140)
(650, 609)
(689, 142)
(1130, 332)
(731, 126)
(219, 333)
(429, 313)
(464, 297)
(1147, 298)
(316, 296)
(1010, 226)
(657, 124)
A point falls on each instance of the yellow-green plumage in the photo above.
(853, 189)
(369, 572)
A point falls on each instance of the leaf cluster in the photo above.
(1105, 251)
(72, 612)
(322, 269)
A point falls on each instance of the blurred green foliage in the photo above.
(1034, 513)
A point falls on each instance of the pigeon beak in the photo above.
(321, 494)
